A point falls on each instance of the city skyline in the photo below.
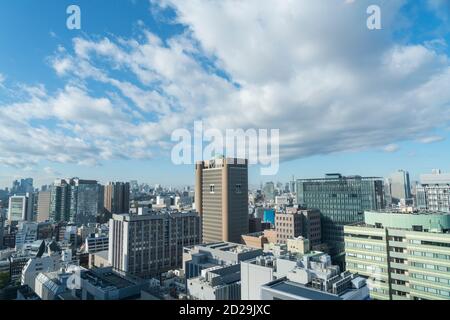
(101, 102)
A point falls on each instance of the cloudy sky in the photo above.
(103, 101)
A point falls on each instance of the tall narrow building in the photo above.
(43, 208)
(60, 201)
(117, 197)
(400, 186)
(2, 229)
(221, 198)
(21, 208)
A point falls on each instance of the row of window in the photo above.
(364, 246)
(237, 189)
(430, 278)
(368, 268)
(365, 257)
(430, 266)
(430, 255)
(444, 293)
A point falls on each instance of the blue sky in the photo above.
(101, 102)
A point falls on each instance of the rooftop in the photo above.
(230, 247)
(106, 278)
(293, 289)
(413, 213)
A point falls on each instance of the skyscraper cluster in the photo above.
(333, 238)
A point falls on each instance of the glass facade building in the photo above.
(341, 201)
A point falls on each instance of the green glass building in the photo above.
(406, 256)
(341, 201)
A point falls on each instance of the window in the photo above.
(211, 188)
(238, 188)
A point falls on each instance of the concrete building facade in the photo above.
(295, 222)
(43, 207)
(405, 255)
(221, 198)
(150, 243)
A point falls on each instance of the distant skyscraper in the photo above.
(292, 185)
(84, 201)
(341, 201)
(76, 201)
(2, 229)
(400, 186)
(433, 193)
(117, 197)
(221, 198)
(43, 209)
(269, 191)
(21, 208)
(60, 201)
(22, 187)
(150, 243)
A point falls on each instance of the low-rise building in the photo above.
(216, 283)
(201, 257)
(105, 284)
(255, 240)
(309, 276)
(96, 242)
(99, 260)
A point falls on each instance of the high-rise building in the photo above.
(400, 186)
(60, 201)
(43, 207)
(221, 198)
(117, 197)
(341, 201)
(405, 255)
(292, 185)
(2, 230)
(269, 191)
(21, 208)
(22, 187)
(433, 193)
(387, 193)
(84, 201)
(75, 200)
(150, 243)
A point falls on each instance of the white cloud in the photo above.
(391, 148)
(431, 139)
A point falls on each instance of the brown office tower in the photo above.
(117, 197)
(221, 199)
